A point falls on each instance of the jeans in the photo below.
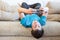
(34, 6)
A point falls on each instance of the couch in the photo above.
(11, 29)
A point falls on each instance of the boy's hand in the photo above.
(44, 11)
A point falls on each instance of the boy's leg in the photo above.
(25, 5)
(35, 6)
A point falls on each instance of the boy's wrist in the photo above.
(45, 14)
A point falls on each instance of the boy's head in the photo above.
(37, 34)
(37, 30)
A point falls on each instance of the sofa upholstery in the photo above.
(9, 10)
(54, 6)
(13, 30)
(54, 10)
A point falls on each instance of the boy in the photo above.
(30, 18)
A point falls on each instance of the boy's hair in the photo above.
(38, 33)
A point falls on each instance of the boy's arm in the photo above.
(44, 18)
(23, 10)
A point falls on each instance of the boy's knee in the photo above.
(38, 4)
(23, 4)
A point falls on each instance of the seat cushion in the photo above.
(15, 28)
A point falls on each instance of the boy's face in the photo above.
(36, 25)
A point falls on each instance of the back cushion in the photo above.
(54, 5)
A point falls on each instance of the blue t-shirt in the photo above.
(28, 19)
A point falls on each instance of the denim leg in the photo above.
(35, 6)
(25, 5)
(38, 5)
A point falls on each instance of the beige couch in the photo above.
(13, 30)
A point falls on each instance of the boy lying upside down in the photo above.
(33, 16)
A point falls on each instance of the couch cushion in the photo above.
(9, 15)
(4, 6)
(8, 12)
(27, 38)
(15, 28)
(54, 6)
